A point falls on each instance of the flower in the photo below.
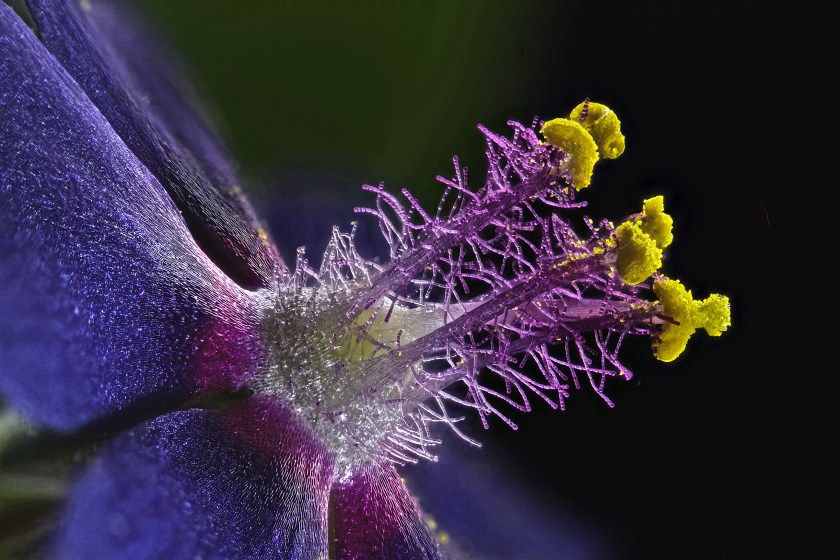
(267, 406)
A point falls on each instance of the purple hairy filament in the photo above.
(495, 283)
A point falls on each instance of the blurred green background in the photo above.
(316, 98)
(392, 89)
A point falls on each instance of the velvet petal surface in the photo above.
(141, 91)
(107, 304)
(375, 517)
(246, 482)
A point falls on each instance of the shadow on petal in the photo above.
(488, 512)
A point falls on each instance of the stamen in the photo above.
(489, 302)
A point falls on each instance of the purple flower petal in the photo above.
(247, 482)
(106, 302)
(375, 517)
(142, 94)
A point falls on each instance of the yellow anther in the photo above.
(679, 305)
(572, 138)
(713, 314)
(604, 126)
(638, 256)
(677, 302)
(656, 223)
(586, 139)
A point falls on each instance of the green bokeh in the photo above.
(389, 89)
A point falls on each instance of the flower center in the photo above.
(347, 378)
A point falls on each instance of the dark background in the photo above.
(729, 452)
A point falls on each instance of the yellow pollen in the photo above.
(711, 314)
(656, 223)
(572, 138)
(603, 124)
(638, 256)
